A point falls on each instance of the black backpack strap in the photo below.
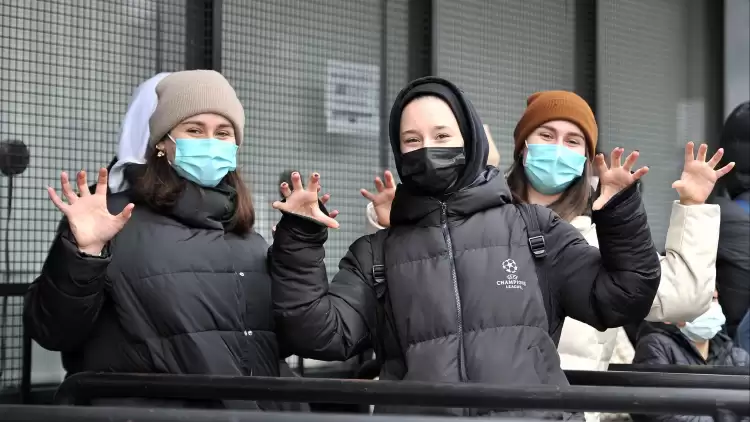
(536, 238)
(377, 242)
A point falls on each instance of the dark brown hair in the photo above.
(574, 201)
(160, 187)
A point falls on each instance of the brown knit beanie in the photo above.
(545, 106)
(192, 92)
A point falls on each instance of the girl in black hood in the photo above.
(450, 159)
(452, 291)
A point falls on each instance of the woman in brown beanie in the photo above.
(167, 276)
(555, 144)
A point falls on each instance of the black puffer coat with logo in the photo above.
(464, 300)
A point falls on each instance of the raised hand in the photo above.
(90, 222)
(382, 200)
(698, 176)
(617, 176)
(323, 200)
(304, 201)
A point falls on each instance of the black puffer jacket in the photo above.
(733, 255)
(174, 294)
(733, 261)
(464, 300)
(662, 344)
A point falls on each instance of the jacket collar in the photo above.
(489, 190)
(197, 207)
(718, 347)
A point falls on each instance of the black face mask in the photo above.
(432, 171)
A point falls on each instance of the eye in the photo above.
(193, 130)
(546, 136)
(223, 134)
(575, 141)
(410, 140)
(443, 136)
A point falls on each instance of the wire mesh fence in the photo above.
(68, 70)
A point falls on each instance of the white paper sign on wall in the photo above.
(353, 98)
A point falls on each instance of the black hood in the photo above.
(476, 147)
(735, 139)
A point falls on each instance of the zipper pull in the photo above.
(444, 207)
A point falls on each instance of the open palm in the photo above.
(382, 200)
(90, 221)
(304, 201)
(617, 176)
(698, 176)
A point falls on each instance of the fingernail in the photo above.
(316, 175)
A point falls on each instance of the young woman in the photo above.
(167, 275)
(464, 300)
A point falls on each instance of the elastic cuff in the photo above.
(625, 202)
(74, 273)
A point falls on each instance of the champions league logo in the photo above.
(511, 280)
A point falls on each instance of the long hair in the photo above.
(160, 187)
(574, 201)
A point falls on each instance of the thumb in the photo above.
(677, 184)
(277, 205)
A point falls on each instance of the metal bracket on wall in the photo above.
(203, 34)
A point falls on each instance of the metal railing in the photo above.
(79, 389)
(23, 389)
(15, 413)
(681, 369)
(658, 379)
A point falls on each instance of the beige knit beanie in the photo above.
(192, 92)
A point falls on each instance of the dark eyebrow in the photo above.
(198, 123)
(549, 128)
(414, 132)
(193, 122)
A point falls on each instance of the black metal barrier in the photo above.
(681, 369)
(15, 413)
(79, 389)
(658, 379)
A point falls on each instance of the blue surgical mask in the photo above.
(706, 326)
(204, 161)
(551, 168)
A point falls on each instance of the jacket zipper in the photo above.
(459, 314)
